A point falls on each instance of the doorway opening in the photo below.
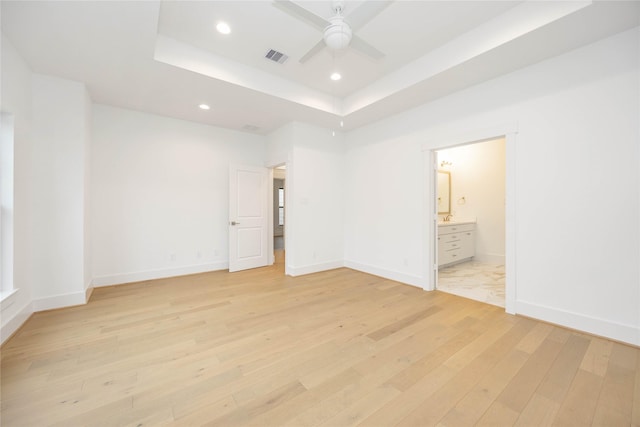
(470, 231)
(279, 216)
(466, 137)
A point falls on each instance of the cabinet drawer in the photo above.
(449, 256)
(449, 238)
(447, 246)
(455, 228)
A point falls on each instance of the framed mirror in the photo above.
(444, 192)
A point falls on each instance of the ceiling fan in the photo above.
(338, 33)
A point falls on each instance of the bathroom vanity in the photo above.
(456, 242)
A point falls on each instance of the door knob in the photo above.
(234, 223)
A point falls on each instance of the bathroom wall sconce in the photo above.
(445, 163)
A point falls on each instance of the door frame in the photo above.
(288, 216)
(509, 133)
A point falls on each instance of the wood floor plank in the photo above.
(596, 359)
(362, 408)
(635, 416)
(555, 384)
(470, 409)
(287, 411)
(201, 411)
(498, 414)
(445, 398)
(540, 411)
(615, 405)
(341, 347)
(402, 323)
(403, 406)
(243, 414)
(520, 389)
(579, 405)
(534, 338)
(346, 396)
(474, 404)
(434, 357)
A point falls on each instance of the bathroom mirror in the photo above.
(444, 192)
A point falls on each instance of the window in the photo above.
(280, 206)
(6, 203)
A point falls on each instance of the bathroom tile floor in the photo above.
(475, 280)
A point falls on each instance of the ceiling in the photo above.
(165, 57)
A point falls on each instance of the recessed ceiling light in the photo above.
(204, 107)
(223, 28)
(335, 77)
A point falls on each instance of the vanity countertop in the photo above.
(457, 222)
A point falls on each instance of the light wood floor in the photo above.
(331, 349)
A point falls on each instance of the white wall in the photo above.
(314, 193)
(478, 176)
(59, 138)
(16, 100)
(384, 206)
(280, 145)
(316, 203)
(576, 113)
(160, 194)
(86, 208)
(50, 146)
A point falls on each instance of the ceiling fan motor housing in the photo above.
(338, 34)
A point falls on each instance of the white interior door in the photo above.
(248, 217)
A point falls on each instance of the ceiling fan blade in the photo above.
(313, 51)
(363, 47)
(365, 13)
(301, 13)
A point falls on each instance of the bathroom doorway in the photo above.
(471, 220)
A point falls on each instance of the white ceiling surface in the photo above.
(165, 57)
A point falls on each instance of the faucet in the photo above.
(447, 218)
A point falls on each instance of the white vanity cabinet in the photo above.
(456, 243)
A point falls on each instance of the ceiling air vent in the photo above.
(276, 56)
(250, 128)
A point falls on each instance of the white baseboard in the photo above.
(59, 301)
(314, 268)
(87, 293)
(601, 327)
(13, 324)
(117, 279)
(388, 274)
(490, 258)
